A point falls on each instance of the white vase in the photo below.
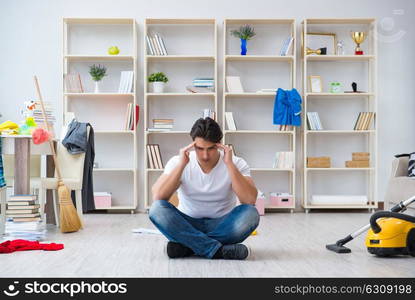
(96, 91)
(158, 87)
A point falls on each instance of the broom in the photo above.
(69, 219)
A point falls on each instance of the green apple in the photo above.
(113, 50)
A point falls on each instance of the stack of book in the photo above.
(314, 122)
(38, 116)
(129, 117)
(286, 46)
(162, 125)
(202, 85)
(284, 160)
(154, 156)
(126, 82)
(155, 45)
(364, 120)
(207, 112)
(73, 83)
(23, 208)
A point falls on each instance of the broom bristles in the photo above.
(69, 219)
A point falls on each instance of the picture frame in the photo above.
(315, 84)
(316, 40)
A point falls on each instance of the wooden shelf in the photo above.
(98, 95)
(310, 206)
(258, 58)
(76, 31)
(258, 131)
(168, 132)
(74, 58)
(180, 58)
(338, 131)
(279, 207)
(271, 170)
(339, 57)
(339, 169)
(180, 21)
(113, 170)
(185, 94)
(114, 131)
(340, 21)
(154, 170)
(250, 95)
(340, 95)
(117, 208)
(99, 21)
(259, 21)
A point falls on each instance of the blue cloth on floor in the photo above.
(287, 108)
(2, 180)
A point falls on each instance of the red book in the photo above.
(137, 116)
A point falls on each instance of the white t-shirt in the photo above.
(204, 195)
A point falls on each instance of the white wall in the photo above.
(31, 43)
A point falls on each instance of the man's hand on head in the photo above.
(184, 154)
(227, 153)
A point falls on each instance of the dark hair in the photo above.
(208, 129)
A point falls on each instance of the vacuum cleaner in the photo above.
(390, 233)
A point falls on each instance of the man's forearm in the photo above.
(245, 191)
(163, 189)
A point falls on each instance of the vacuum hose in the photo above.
(387, 214)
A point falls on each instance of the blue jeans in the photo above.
(204, 235)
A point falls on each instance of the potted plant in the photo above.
(97, 73)
(158, 81)
(244, 33)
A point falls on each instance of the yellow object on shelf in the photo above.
(9, 127)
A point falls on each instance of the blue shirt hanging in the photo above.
(287, 108)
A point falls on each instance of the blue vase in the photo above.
(243, 47)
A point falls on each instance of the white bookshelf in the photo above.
(192, 52)
(256, 139)
(85, 42)
(338, 139)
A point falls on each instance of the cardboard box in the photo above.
(357, 164)
(318, 162)
(358, 156)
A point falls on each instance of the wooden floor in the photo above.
(287, 245)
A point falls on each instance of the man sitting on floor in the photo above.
(209, 180)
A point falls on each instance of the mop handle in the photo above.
(45, 118)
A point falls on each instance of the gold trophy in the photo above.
(358, 37)
(320, 51)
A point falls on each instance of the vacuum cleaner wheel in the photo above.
(410, 242)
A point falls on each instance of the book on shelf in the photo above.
(13, 198)
(73, 83)
(286, 46)
(129, 123)
(194, 89)
(207, 112)
(154, 156)
(126, 82)
(314, 122)
(364, 121)
(203, 82)
(156, 45)
(284, 160)
(233, 84)
(230, 121)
